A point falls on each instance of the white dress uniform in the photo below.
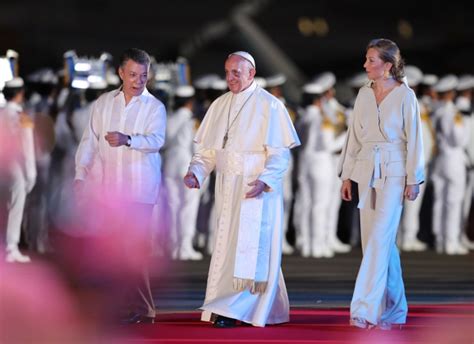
(302, 207)
(383, 154)
(22, 172)
(410, 224)
(184, 204)
(321, 144)
(449, 178)
(337, 129)
(245, 281)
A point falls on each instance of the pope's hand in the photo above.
(191, 181)
(258, 188)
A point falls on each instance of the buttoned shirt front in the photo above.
(132, 171)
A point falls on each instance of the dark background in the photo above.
(437, 36)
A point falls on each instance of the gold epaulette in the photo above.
(26, 121)
(458, 119)
(425, 116)
(292, 114)
(197, 123)
(341, 118)
(327, 125)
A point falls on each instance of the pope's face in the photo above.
(239, 73)
(374, 66)
(134, 76)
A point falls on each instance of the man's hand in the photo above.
(116, 139)
(346, 190)
(191, 181)
(411, 192)
(258, 188)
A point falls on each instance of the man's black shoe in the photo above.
(224, 322)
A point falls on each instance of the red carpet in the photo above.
(453, 323)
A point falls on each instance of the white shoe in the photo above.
(339, 247)
(456, 250)
(466, 242)
(190, 255)
(286, 248)
(328, 252)
(15, 256)
(414, 245)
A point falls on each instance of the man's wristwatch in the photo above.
(129, 141)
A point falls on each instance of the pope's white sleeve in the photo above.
(203, 163)
(275, 167)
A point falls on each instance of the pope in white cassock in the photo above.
(245, 136)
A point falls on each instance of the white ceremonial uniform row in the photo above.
(383, 153)
(449, 178)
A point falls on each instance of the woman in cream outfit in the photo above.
(384, 155)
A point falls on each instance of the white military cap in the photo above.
(446, 83)
(44, 76)
(429, 79)
(466, 82)
(163, 86)
(205, 81)
(105, 56)
(12, 54)
(244, 55)
(219, 84)
(276, 80)
(97, 83)
(414, 75)
(184, 91)
(313, 88)
(112, 79)
(463, 104)
(358, 80)
(16, 82)
(326, 80)
(80, 83)
(70, 53)
(261, 81)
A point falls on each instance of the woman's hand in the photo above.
(411, 192)
(346, 190)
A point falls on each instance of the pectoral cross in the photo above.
(224, 142)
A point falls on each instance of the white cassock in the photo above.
(383, 153)
(245, 281)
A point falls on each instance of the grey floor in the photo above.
(323, 283)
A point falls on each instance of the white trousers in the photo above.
(184, 205)
(411, 216)
(447, 208)
(379, 294)
(16, 208)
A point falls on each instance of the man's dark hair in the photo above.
(10, 92)
(137, 55)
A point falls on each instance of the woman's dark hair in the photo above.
(137, 55)
(389, 52)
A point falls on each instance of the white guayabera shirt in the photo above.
(132, 171)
